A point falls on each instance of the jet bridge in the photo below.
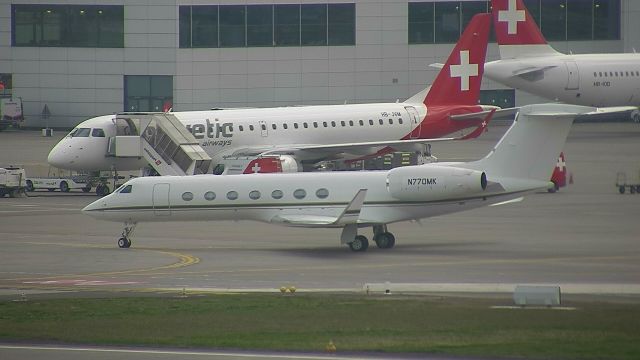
(162, 140)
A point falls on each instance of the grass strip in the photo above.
(307, 322)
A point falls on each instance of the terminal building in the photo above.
(83, 59)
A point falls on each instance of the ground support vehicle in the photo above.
(84, 182)
(11, 113)
(12, 181)
(623, 185)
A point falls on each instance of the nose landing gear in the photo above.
(124, 242)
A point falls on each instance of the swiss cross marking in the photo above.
(464, 70)
(561, 164)
(255, 168)
(512, 16)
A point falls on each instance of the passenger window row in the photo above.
(299, 194)
(324, 124)
(615, 73)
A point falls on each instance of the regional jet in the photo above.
(308, 134)
(521, 162)
(528, 63)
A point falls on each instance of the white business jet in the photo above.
(313, 133)
(528, 63)
(521, 162)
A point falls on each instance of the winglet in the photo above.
(351, 213)
(458, 82)
(481, 127)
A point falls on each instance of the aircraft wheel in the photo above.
(385, 240)
(360, 243)
(64, 187)
(124, 243)
(621, 189)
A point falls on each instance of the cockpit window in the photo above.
(126, 189)
(97, 132)
(80, 132)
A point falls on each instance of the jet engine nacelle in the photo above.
(432, 182)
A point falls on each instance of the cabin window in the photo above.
(210, 195)
(305, 125)
(616, 73)
(97, 132)
(126, 190)
(315, 124)
(361, 123)
(600, 73)
(637, 73)
(263, 126)
(322, 193)
(250, 127)
(594, 74)
(254, 195)
(381, 121)
(400, 121)
(295, 125)
(299, 194)
(277, 194)
(350, 122)
(324, 123)
(273, 126)
(284, 126)
(370, 122)
(232, 195)
(187, 196)
(333, 124)
(390, 121)
(240, 127)
(343, 123)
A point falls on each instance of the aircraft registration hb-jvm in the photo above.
(313, 133)
(528, 63)
(521, 162)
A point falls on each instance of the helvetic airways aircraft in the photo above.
(529, 63)
(313, 133)
(521, 162)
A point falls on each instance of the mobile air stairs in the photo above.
(168, 147)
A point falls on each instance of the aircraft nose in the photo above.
(94, 208)
(60, 156)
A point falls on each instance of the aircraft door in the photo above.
(414, 119)
(264, 131)
(573, 76)
(161, 206)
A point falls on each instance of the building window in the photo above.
(342, 24)
(579, 22)
(260, 25)
(266, 25)
(447, 22)
(100, 26)
(553, 19)
(148, 92)
(421, 23)
(505, 98)
(606, 19)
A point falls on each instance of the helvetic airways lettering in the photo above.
(211, 130)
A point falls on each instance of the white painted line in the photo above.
(176, 352)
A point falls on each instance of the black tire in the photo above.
(86, 189)
(51, 189)
(123, 243)
(360, 243)
(384, 240)
(64, 186)
(621, 189)
(30, 186)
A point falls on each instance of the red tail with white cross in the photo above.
(458, 82)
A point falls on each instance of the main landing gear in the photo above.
(124, 242)
(381, 236)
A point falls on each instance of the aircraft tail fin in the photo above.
(529, 149)
(517, 34)
(458, 82)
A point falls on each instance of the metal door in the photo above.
(161, 206)
(414, 119)
(573, 76)
(264, 131)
